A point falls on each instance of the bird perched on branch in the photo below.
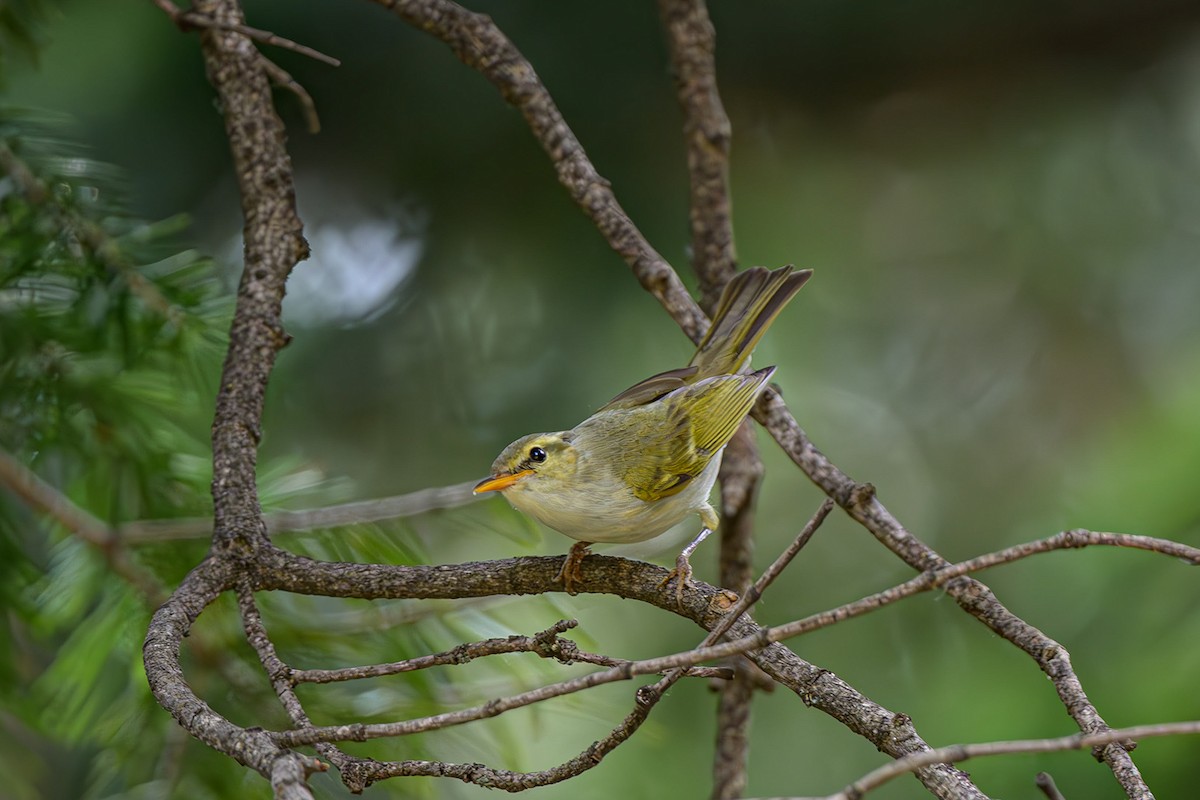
(649, 458)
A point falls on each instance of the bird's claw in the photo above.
(682, 573)
(570, 575)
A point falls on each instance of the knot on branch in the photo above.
(549, 644)
(856, 496)
(358, 773)
(1075, 538)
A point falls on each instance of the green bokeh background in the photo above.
(1000, 201)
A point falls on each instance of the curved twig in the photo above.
(957, 753)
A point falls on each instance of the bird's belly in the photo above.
(620, 517)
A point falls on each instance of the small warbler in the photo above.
(649, 458)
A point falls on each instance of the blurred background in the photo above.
(1002, 205)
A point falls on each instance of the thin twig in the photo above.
(971, 595)
(1045, 784)
(359, 512)
(279, 673)
(942, 576)
(547, 644)
(283, 78)
(958, 753)
(192, 19)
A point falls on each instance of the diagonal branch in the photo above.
(972, 596)
(482, 46)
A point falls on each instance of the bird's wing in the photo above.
(652, 388)
(696, 421)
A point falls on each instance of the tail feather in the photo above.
(748, 306)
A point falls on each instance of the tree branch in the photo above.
(972, 596)
(273, 243)
(691, 42)
(482, 46)
(962, 752)
(197, 20)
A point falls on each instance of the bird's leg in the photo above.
(569, 575)
(683, 568)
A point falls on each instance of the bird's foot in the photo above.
(570, 575)
(682, 575)
(683, 568)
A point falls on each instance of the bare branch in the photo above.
(283, 79)
(273, 244)
(547, 644)
(962, 752)
(691, 41)
(482, 46)
(1046, 785)
(279, 673)
(194, 19)
(944, 576)
(972, 596)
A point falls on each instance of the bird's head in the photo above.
(533, 462)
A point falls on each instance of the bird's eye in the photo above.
(537, 454)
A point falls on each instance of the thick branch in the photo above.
(890, 732)
(161, 656)
(273, 243)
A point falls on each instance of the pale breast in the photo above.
(603, 509)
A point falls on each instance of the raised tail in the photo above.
(749, 304)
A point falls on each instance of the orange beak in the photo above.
(498, 483)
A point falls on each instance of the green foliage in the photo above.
(109, 348)
(111, 339)
(21, 29)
